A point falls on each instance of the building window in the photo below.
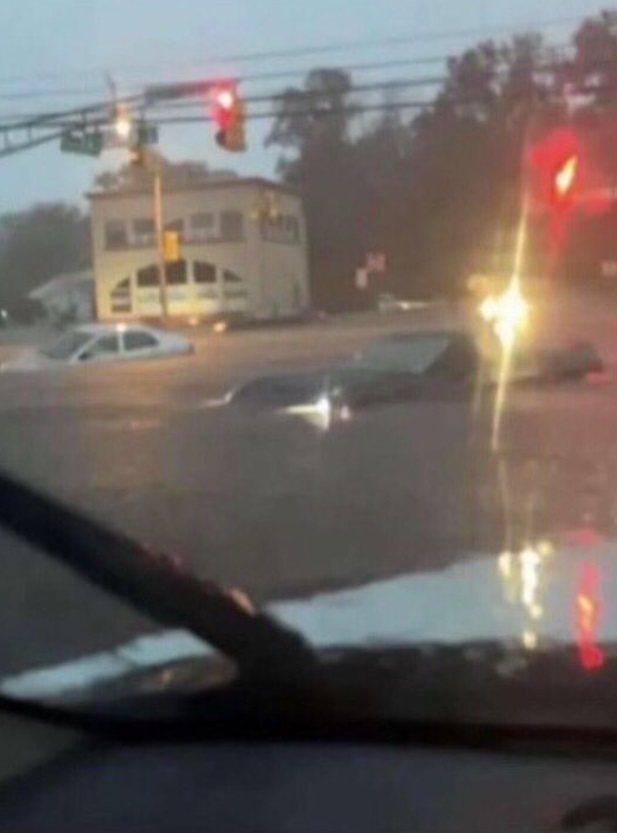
(116, 235)
(204, 272)
(143, 231)
(139, 340)
(231, 277)
(147, 277)
(232, 225)
(284, 228)
(121, 301)
(292, 228)
(202, 226)
(175, 273)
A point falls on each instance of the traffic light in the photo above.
(229, 113)
(565, 178)
(557, 165)
(171, 246)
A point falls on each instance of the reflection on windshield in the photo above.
(66, 346)
(587, 613)
(524, 582)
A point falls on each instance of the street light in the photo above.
(123, 123)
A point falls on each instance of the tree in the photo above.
(38, 244)
(434, 193)
(320, 112)
(314, 122)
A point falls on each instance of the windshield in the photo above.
(349, 276)
(404, 354)
(66, 346)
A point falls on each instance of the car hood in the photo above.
(548, 595)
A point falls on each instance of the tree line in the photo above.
(437, 188)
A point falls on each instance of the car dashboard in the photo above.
(314, 787)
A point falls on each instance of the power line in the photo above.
(309, 111)
(98, 114)
(316, 50)
(64, 92)
(256, 77)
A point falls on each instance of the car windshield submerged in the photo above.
(66, 346)
(404, 354)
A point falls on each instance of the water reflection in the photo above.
(587, 612)
(573, 498)
(523, 576)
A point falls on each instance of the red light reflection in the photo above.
(587, 614)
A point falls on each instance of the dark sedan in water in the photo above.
(419, 365)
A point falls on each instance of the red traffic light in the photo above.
(565, 178)
(229, 115)
(555, 169)
(224, 101)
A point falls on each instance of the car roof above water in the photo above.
(96, 328)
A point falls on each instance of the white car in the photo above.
(102, 343)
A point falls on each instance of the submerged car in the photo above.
(430, 364)
(102, 343)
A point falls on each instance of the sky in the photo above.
(58, 53)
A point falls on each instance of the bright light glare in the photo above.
(323, 407)
(123, 126)
(564, 180)
(530, 580)
(225, 99)
(319, 414)
(507, 313)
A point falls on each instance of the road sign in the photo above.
(376, 262)
(362, 278)
(87, 144)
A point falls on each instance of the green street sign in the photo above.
(86, 144)
(147, 134)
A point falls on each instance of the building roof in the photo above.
(212, 184)
(62, 283)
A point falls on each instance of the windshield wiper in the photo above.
(155, 583)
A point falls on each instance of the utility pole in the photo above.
(151, 161)
(159, 228)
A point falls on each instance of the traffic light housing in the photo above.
(565, 178)
(171, 246)
(229, 113)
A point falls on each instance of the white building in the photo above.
(69, 296)
(243, 252)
